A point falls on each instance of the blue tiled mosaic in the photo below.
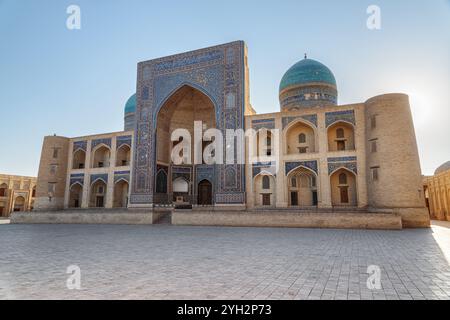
(101, 176)
(219, 73)
(122, 175)
(341, 159)
(105, 141)
(263, 123)
(205, 172)
(311, 118)
(79, 145)
(312, 164)
(342, 162)
(269, 167)
(77, 178)
(346, 115)
(121, 140)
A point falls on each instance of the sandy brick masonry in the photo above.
(437, 193)
(17, 193)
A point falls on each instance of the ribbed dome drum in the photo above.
(129, 112)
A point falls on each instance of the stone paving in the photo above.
(173, 262)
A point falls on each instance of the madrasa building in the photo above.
(312, 162)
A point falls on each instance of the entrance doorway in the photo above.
(99, 202)
(266, 199)
(294, 198)
(204, 193)
(315, 199)
(344, 194)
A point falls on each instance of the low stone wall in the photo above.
(83, 217)
(414, 217)
(294, 220)
(343, 220)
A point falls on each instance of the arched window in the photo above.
(313, 181)
(3, 189)
(161, 182)
(342, 178)
(339, 133)
(269, 141)
(266, 182)
(301, 138)
(294, 182)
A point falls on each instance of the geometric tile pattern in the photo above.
(121, 140)
(263, 123)
(311, 118)
(96, 142)
(312, 164)
(346, 115)
(342, 162)
(82, 145)
(218, 72)
(122, 175)
(269, 167)
(101, 176)
(77, 178)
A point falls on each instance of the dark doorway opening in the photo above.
(294, 199)
(315, 199)
(99, 202)
(266, 199)
(205, 193)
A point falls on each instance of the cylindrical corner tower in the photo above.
(51, 181)
(393, 167)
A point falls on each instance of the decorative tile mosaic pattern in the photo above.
(342, 162)
(312, 164)
(309, 96)
(218, 72)
(79, 145)
(77, 178)
(269, 167)
(122, 175)
(102, 176)
(96, 142)
(311, 118)
(263, 123)
(121, 140)
(346, 115)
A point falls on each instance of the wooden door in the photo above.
(266, 199)
(344, 194)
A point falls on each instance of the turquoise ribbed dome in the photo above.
(307, 71)
(130, 106)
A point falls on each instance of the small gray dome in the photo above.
(443, 167)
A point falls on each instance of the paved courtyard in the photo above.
(170, 262)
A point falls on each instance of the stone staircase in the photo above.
(165, 217)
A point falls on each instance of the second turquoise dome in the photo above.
(130, 106)
(307, 71)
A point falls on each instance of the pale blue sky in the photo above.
(72, 83)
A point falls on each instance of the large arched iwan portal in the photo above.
(185, 106)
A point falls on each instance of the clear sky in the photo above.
(76, 82)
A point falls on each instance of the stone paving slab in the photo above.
(175, 262)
